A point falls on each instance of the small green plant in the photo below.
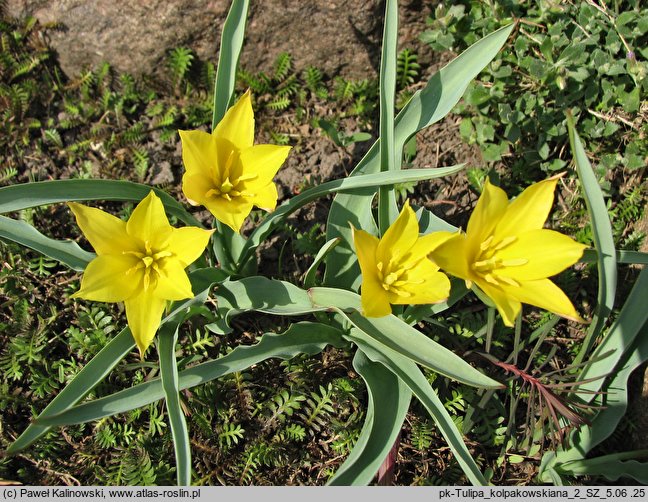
(582, 55)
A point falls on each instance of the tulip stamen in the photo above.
(505, 242)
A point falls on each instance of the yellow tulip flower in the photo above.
(509, 256)
(226, 172)
(396, 269)
(140, 262)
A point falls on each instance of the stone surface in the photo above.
(339, 37)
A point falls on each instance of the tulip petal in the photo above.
(263, 161)
(545, 295)
(230, 212)
(149, 223)
(144, 313)
(110, 278)
(374, 299)
(188, 243)
(487, 213)
(198, 152)
(237, 125)
(266, 198)
(425, 284)
(172, 282)
(400, 237)
(426, 244)
(548, 253)
(365, 246)
(529, 210)
(195, 187)
(105, 232)
(452, 255)
(507, 305)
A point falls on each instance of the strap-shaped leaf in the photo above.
(611, 467)
(100, 365)
(309, 276)
(84, 381)
(426, 107)
(389, 157)
(262, 295)
(167, 339)
(625, 257)
(402, 338)
(25, 195)
(624, 348)
(603, 242)
(228, 244)
(356, 184)
(67, 252)
(412, 376)
(301, 338)
(388, 402)
(228, 58)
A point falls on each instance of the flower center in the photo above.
(228, 186)
(392, 277)
(487, 263)
(152, 261)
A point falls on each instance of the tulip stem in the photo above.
(490, 325)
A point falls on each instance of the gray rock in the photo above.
(339, 37)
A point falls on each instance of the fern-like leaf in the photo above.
(282, 66)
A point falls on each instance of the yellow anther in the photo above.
(485, 265)
(162, 254)
(248, 177)
(486, 244)
(505, 242)
(390, 279)
(515, 262)
(228, 164)
(491, 279)
(508, 280)
(401, 293)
